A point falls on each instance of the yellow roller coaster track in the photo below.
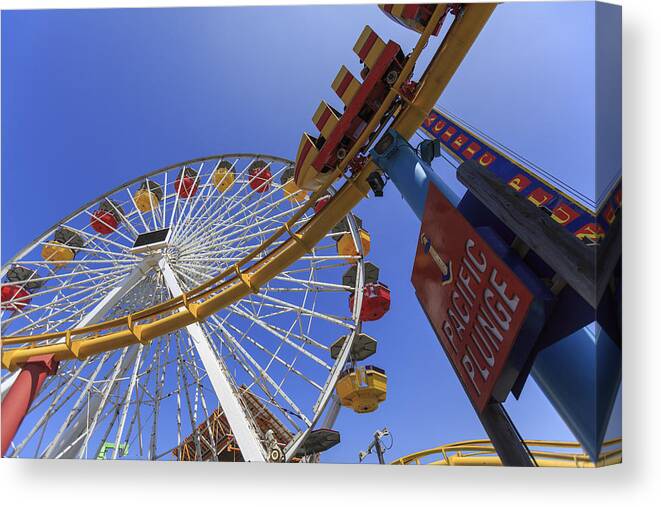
(221, 291)
(547, 453)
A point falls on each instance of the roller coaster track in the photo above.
(256, 269)
(546, 453)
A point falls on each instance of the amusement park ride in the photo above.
(200, 311)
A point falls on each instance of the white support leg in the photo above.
(242, 428)
(333, 411)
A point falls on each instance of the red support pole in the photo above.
(22, 393)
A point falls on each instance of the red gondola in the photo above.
(186, 183)
(376, 301)
(16, 294)
(106, 219)
(14, 298)
(260, 176)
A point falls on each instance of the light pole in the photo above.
(376, 445)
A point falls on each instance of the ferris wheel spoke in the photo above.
(77, 407)
(112, 256)
(199, 394)
(263, 214)
(279, 303)
(213, 238)
(225, 230)
(93, 290)
(136, 420)
(127, 399)
(129, 217)
(267, 327)
(259, 375)
(83, 277)
(161, 369)
(189, 281)
(174, 207)
(238, 192)
(203, 237)
(192, 417)
(120, 368)
(96, 238)
(273, 355)
(55, 311)
(67, 276)
(237, 234)
(302, 337)
(199, 205)
(311, 283)
(50, 387)
(163, 211)
(205, 212)
(249, 195)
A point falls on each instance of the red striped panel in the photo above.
(346, 80)
(368, 45)
(410, 11)
(323, 119)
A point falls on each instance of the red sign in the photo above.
(474, 301)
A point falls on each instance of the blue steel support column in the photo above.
(571, 372)
(410, 175)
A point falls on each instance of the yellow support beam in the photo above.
(218, 293)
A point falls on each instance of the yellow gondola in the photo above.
(362, 388)
(347, 247)
(62, 248)
(223, 176)
(148, 196)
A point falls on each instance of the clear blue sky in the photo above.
(91, 99)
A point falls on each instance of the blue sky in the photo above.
(91, 99)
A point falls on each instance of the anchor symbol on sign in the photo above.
(445, 267)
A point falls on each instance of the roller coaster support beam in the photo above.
(399, 160)
(22, 393)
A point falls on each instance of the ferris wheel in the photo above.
(264, 368)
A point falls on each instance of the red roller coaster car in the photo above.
(413, 16)
(317, 157)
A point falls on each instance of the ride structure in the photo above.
(207, 291)
(130, 330)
